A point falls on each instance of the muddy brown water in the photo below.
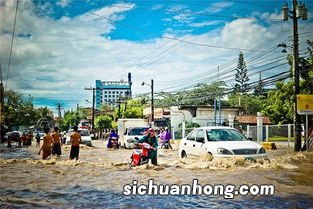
(98, 178)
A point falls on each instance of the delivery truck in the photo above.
(130, 129)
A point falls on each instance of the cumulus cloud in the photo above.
(205, 23)
(63, 3)
(64, 55)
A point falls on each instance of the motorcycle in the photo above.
(166, 145)
(114, 142)
(140, 156)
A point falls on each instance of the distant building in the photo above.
(112, 92)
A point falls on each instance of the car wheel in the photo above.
(209, 156)
(183, 154)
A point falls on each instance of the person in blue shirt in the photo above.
(112, 134)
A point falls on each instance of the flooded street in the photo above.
(98, 178)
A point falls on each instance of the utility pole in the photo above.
(152, 100)
(1, 110)
(298, 11)
(93, 107)
(1, 105)
(59, 111)
(119, 106)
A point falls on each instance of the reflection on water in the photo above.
(97, 179)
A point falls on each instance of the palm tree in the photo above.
(45, 117)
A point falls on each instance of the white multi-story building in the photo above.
(112, 92)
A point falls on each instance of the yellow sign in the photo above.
(305, 104)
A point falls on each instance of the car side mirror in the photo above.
(92, 135)
(200, 140)
(249, 138)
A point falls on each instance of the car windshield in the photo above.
(84, 132)
(136, 131)
(224, 135)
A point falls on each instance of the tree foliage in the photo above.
(20, 111)
(133, 109)
(70, 118)
(103, 122)
(202, 94)
(279, 104)
(45, 117)
(251, 104)
(241, 76)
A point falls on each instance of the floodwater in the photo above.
(98, 178)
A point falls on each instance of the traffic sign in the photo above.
(305, 104)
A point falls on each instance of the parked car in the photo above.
(15, 136)
(85, 135)
(220, 142)
(132, 134)
(41, 134)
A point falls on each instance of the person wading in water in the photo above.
(75, 140)
(57, 138)
(46, 147)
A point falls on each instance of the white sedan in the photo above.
(220, 142)
(85, 135)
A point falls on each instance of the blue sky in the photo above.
(63, 46)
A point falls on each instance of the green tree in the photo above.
(279, 104)
(251, 104)
(133, 109)
(71, 118)
(18, 109)
(105, 107)
(241, 76)
(202, 94)
(103, 122)
(45, 117)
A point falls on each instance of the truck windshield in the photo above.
(137, 131)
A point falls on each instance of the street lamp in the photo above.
(152, 101)
(93, 89)
(298, 11)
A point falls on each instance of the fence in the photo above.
(271, 133)
(180, 133)
(257, 133)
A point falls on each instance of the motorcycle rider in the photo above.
(111, 136)
(151, 139)
(166, 138)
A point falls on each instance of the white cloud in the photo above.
(205, 23)
(243, 33)
(71, 54)
(157, 7)
(217, 7)
(63, 3)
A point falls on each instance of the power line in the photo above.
(12, 41)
